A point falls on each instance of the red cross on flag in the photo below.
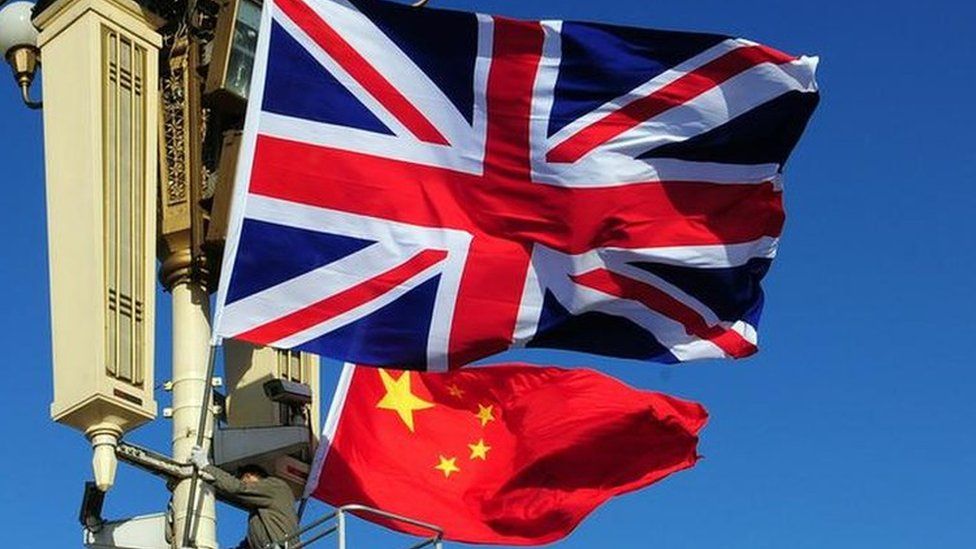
(424, 188)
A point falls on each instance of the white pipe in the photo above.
(341, 522)
(191, 342)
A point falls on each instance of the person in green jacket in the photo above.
(268, 499)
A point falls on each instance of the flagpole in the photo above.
(189, 529)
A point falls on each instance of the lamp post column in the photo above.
(191, 339)
(184, 273)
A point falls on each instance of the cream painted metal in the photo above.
(103, 124)
(191, 343)
(101, 109)
(236, 447)
(246, 369)
(142, 532)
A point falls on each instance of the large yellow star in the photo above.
(447, 465)
(479, 450)
(400, 399)
(484, 414)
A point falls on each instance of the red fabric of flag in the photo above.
(512, 454)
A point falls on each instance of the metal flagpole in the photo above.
(189, 529)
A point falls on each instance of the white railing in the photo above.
(335, 523)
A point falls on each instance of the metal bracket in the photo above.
(154, 463)
(163, 467)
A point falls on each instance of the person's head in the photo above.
(251, 473)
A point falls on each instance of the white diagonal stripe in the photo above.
(551, 270)
(344, 78)
(659, 81)
(399, 69)
(395, 243)
(733, 97)
(302, 291)
(359, 311)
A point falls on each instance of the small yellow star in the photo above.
(400, 399)
(479, 450)
(455, 391)
(484, 414)
(447, 465)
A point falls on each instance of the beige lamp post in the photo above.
(126, 118)
(102, 123)
(100, 61)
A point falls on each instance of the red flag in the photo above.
(512, 454)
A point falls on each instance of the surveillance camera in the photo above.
(288, 392)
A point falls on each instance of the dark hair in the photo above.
(252, 469)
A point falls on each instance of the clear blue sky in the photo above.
(853, 427)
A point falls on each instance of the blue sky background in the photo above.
(853, 427)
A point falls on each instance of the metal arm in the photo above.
(25, 95)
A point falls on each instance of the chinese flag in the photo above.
(512, 454)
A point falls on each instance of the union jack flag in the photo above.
(423, 188)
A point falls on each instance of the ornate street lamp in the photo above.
(18, 42)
